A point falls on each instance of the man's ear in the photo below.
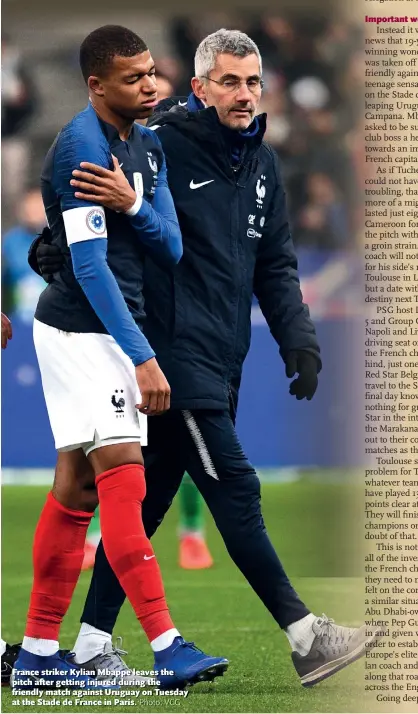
(95, 86)
(199, 89)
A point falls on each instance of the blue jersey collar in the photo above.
(109, 130)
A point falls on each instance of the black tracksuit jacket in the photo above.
(236, 243)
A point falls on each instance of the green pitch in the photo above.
(317, 530)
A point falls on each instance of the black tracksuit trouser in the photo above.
(205, 444)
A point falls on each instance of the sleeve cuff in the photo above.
(144, 357)
(135, 208)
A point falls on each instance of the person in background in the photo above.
(165, 87)
(24, 285)
(19, 103)
(323, 220)
(194, 553)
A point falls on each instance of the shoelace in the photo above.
(191, 645)
(117, 652)
(118, 649)
(326, 622)
(330, 628)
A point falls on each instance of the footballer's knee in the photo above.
(74, 485)
(89, 499)
(114, 456)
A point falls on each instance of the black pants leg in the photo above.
(164, 470)
(231, 489)
(205, 444)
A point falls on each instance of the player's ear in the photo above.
(95, 86)
(199, 88)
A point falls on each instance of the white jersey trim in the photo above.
(133, 210)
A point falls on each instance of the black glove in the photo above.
(45, 258)
(307, 367)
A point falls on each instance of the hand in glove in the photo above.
(307, 366)
(45, 258)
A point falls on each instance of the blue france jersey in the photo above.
(63, 304)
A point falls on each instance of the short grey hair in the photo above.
(231, 42)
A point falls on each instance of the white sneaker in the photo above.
(333, 648)
(109, 663)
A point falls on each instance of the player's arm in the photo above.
(277, 288)
(85, 228)
(157, 226)
(102, 291)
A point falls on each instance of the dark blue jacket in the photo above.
(236, 242)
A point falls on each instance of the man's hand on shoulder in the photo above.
(307, 367)
(102, 186)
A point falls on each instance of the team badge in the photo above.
(261, 192)
(152, 164)
(96, 222)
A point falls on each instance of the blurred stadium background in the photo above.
(306, 453)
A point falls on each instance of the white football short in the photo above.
(90, 389)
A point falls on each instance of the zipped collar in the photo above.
(232, 137)
(204, 126)
(194, 104)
